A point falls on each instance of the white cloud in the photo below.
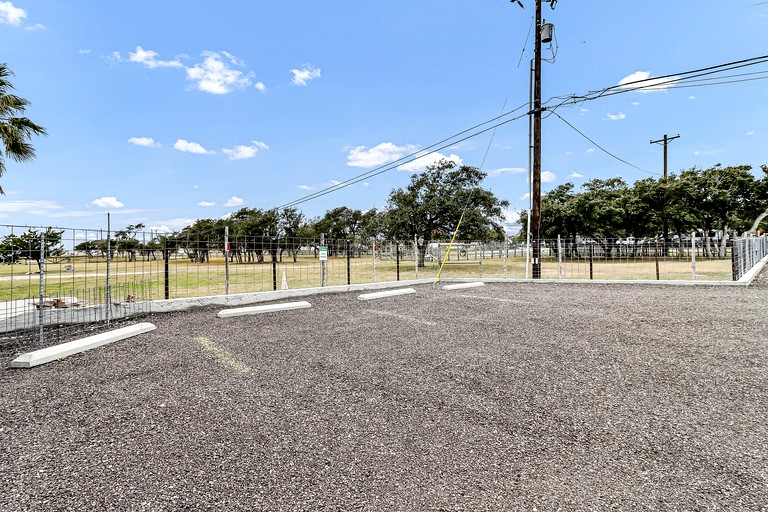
(260, 86)
(215, 76)
(234, 201)
(107, 202)
(575, 175)
(304, 75)
(11, 15)
(150, 60)
(591, 150)
(749, 133)
(36, 26)
(190, 147)
(511, 217)
(28, 207)
(381, 154)
(646, 83)
(691, 97)
(583, 110)
(206, 203)
(615, 117)
(635, 103)
(84, 51)
(245, 152)
(146, 142)
(524, 197)
(504, 171)
(421, 164)
(548, 177)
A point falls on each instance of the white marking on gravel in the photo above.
(46, 355)
(402, 317)
(482, 297)
(223, 355)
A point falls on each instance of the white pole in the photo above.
(693, 255)
(559, 258)
(373, 259)
(416, 255)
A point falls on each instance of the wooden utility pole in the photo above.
(666, 140)
(536, 174)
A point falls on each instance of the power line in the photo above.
(602, 148)
(671, 81)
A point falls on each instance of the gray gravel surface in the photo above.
(506, 397)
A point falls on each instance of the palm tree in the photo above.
(15, 132)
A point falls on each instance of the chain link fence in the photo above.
(59, 283)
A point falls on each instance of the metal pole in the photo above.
(166, 270)
(559, 257)
(226, 260)
(657, 260)
(109, 264)
(349, 272)
(693, 255)
(506, 255)
(322, 262)
(373, 260)
(416, 254)
(397, 256)
(41, 267)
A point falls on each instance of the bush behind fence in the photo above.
(57, 282)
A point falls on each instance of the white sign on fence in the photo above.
(323, 253)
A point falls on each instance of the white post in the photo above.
(506, 255)
(559, 257)
(416, 255)
(693, 255)
(373, 259)
(41, 304)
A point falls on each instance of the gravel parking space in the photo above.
(505, 397)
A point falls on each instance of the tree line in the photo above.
(716, 203)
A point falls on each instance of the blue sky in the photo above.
(165, 112)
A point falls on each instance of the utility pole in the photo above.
(536, 174)
(666, 140)
(535, 113)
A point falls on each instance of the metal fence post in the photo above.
(166, 278)
(322, 261)
(373, 260)
(559, 257)
(693, 255)
(416, 254)
(109, 269)
(226, 260)
(397, 256)
(734, 259)
(41, 267)
(349, 270)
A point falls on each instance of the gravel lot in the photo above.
(506, 397)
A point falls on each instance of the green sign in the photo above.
(323, 253)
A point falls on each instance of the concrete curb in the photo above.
(268, 308)
(46, 355)
(389, 293)
(461, 286)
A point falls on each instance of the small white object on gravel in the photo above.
(46, 355)
(461, 286)
(388, 293)
(269, 308)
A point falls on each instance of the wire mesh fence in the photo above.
(58, 282)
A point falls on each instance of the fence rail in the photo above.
(54, 283)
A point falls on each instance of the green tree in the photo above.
(431, 206)
(15, 129)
